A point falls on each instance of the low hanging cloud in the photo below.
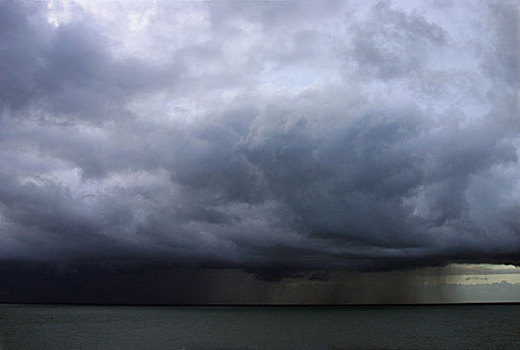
(265, 135)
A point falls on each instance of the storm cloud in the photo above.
(260, 135)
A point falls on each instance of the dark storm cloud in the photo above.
(191, 154)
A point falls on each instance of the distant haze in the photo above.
(270, 138)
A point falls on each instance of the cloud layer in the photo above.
(260, 135)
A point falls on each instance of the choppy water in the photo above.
(373, 327)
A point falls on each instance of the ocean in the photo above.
(487, 326)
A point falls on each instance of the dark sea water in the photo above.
(360, 327)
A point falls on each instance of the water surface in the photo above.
(196, 328)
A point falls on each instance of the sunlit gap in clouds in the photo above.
(482, 273)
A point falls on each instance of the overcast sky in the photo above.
(260, 135)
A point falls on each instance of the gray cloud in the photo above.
(392, 44)
(264, 138)
(67, 70)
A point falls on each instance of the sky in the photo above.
(284, 143)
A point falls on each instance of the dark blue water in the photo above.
(372, 327)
